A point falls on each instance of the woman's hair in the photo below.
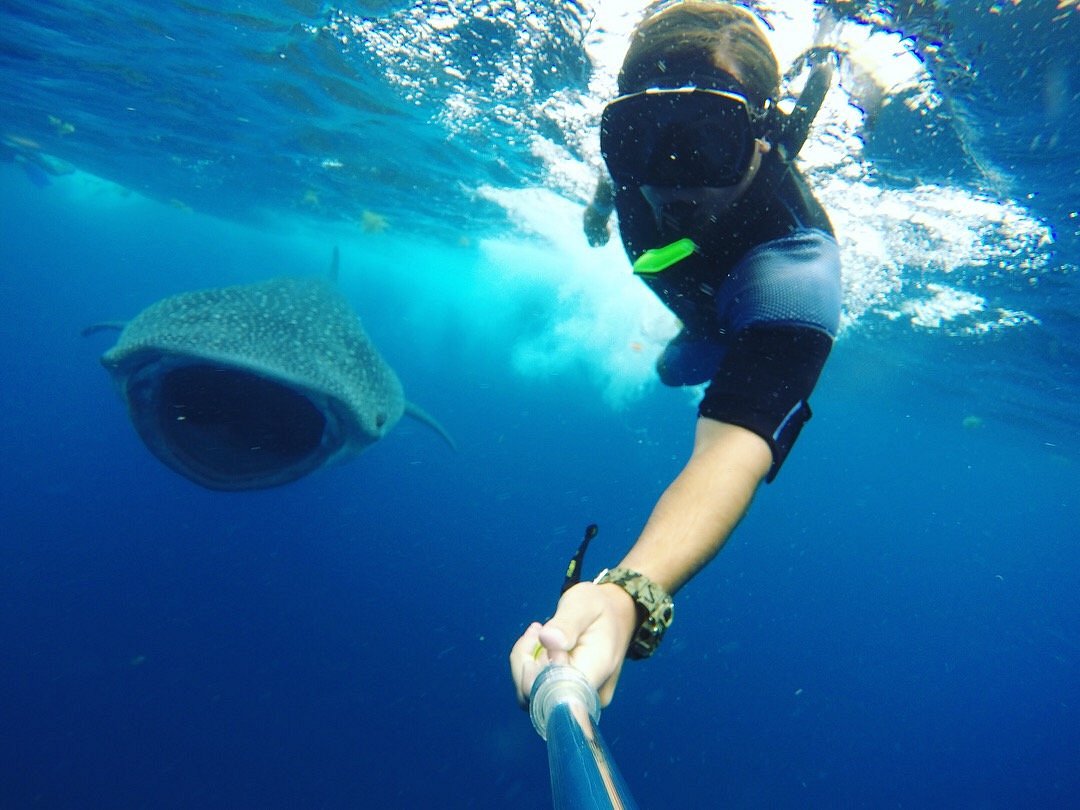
(702, 37)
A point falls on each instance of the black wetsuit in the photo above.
(762, 294)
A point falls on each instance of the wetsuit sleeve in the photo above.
(764, 383)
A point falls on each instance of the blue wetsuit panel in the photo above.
(792, 281)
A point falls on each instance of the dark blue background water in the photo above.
(894, 624)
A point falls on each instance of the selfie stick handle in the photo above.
(565, 711)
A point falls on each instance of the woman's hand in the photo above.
(596, 225)
(591, 631)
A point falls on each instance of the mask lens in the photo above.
(677, 138)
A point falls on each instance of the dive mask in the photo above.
(680, 137)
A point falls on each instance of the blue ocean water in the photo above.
(895, 623)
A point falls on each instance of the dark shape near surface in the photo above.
(254, 386)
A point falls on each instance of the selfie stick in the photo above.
(565, 710)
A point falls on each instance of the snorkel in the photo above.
(795, 126)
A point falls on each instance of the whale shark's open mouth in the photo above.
(227, 428)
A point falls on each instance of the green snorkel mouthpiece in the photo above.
(657, 260)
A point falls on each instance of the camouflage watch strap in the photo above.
(652, 601)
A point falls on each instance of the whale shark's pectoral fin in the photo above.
(418, 413)
(103, 326)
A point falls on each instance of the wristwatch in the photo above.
(654, 606)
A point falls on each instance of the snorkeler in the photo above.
(722, 227)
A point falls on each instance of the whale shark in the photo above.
(254, 386)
